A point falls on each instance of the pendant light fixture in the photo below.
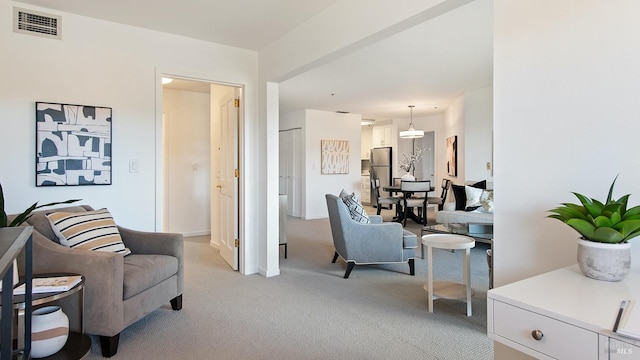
(412, 133)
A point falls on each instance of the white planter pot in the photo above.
(601, 261)
(49, 331)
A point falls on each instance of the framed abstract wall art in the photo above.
(335, 156)
(73, 145)
(452, 155)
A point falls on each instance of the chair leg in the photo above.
(335, 257)
(350, 266)
(424, 215)
(176, 302)
(109, 345)
(406, 214)
(285, 250)
(379, 209)
(412, 267)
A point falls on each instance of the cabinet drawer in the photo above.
(560, 340)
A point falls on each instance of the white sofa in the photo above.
(449, 214)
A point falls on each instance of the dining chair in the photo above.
(397, 182)
(380, 200)
(443, 195)
(415, 196)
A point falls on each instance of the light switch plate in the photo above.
(134, 165)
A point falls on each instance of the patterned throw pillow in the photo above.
(91, 230)
(356, 210)
(487, 201)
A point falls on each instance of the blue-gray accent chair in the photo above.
(375, 243)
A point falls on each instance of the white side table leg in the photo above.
(430, 277)
(467, 278)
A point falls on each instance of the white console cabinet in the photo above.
(562, 314)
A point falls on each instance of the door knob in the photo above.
(219, 186)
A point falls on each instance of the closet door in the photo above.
(291, 169)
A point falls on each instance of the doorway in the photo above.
(200, 122)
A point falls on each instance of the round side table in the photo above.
(78, 344)
(448, 289)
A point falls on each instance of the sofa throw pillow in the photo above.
(473, 198)
(356, 210)
(461, 197)
(487, 201)
(92, 230)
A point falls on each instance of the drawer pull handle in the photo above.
(537, 334)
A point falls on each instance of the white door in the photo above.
(229, 111)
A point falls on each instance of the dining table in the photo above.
(393, 189)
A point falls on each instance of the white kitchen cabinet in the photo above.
(382, 135)
(365, 189)
(572, 314)
(365, 142)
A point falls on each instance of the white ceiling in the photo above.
(249, 24)
(426, 66)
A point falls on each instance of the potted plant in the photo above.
(408, 164)
(25, 215)
(20, 219)
(604, 251)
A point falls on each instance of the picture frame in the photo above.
(73, 145)
(334, 156)
(452, 155)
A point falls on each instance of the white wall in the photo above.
(470, 118)
(478, 133)
(114, 65)
(324, 125)
(454, 125)
(566, 84)
(187, 156)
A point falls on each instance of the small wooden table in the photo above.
(448, 289)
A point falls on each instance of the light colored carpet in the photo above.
(310, 311)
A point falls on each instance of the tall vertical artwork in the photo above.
(335, 156)
(452, 155)
(73, 145)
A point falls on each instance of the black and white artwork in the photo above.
(452, 155)
(73, 145)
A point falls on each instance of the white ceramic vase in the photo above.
(602, 261)
(408, 177)
(49, 331)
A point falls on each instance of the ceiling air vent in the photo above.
(37, 23)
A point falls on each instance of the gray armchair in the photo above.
(375, 243)
(118, 290)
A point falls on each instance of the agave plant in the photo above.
(609, 222)
(25, 215)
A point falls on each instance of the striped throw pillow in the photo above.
(91, 230)
(356, 210)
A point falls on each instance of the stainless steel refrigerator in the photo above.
(381, 167)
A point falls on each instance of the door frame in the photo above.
(159, 151)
